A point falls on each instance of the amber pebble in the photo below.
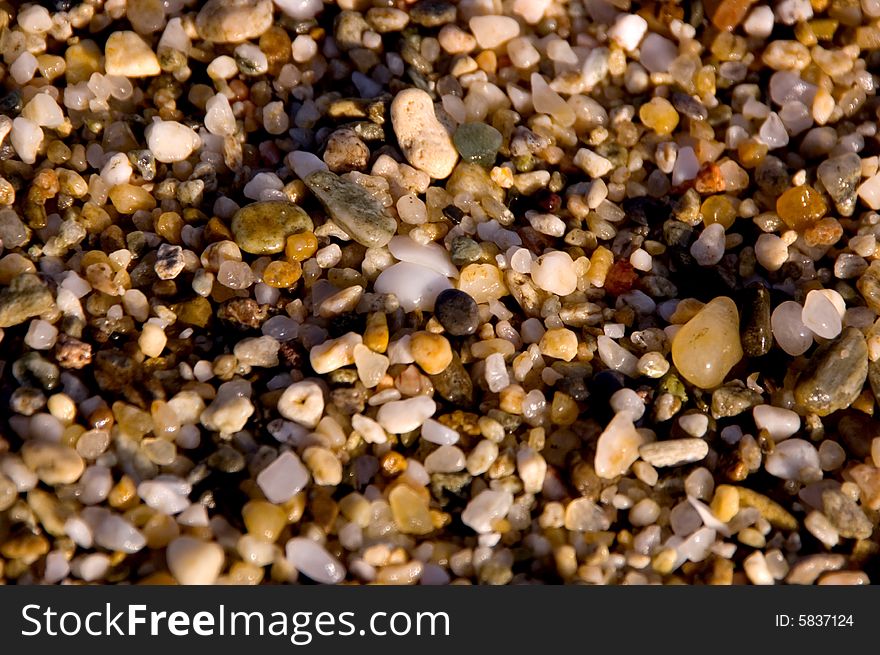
(659, 115)
(718, 209)
(282, 275)
(751, 153)
(128, 198)
(300, 247)
(169, 226)
(801, 206)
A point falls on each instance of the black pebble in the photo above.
(457, 312)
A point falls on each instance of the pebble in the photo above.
(283, 478)
(835, 374)
(234, 21)
(53, 463)
(170, 141)
(674, 452)
(779, 423)
(431, 352)
(555, 272)
(457, 312)
(446, 459)
(821, 314)
(485, 509)
(402, 416)
(25, 297)
(845, 515)
(708, 249)
(618, 447)
(410, 510)
(493, 31)
(756, 331)
(312, 560)
(477, 143)
(794, 459)
(193, 561)
(229, 411)
(334, 353)
(353, 209)
(840, 176)
(415, 286)
(325, 467)
(303, 403)
(708, 346)
(431, 255)
(128, 55)
(584, 515)
(262, 228)
(628, 30)
(435, 432)
(789, 330)
(423, 139)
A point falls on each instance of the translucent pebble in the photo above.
(164, 495)
(627, 400)
(301, 10)
(708, 249)
(446, 459)
(772, 132)
(771, 251)
(820, 314)
(411, 209)
(787, 86)
(794, 459)
(686, 166)
(170, 141)
(437, 433)
(312, 560)
(41, 335)
(116, 534)
(496, 373)
(23, 68)
(219, 118)
(546, 101)
(555, 272)
(235, 275)
(431, 255)
(485, 509)
(57, 567)
(493, 31)
(117, 170)
(628, 30)
(616, 357)
(44, 111)
(281, 328)
(657, 53)
(283, 478)
(780, 423)
(402, 416)
(789, 330)
(26, 137)
(415, 286)
(95, 484)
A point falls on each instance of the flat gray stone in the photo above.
(353, 209)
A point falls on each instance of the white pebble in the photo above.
(779, 422)
(283, 478)
(820, 314)
(485, 509)
(312, 560)
(401, 416)
(170, 141)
